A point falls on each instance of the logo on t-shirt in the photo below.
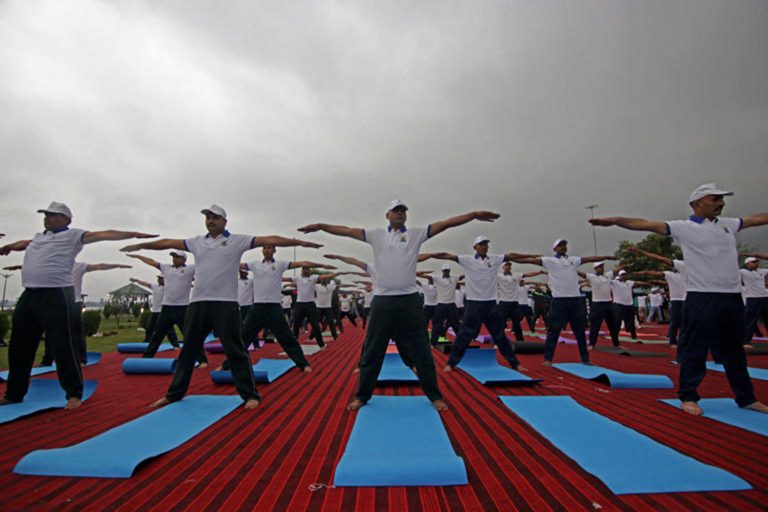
(403, 239)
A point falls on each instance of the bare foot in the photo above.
(354, 405)
(160, 403)
(251, 404)
(757, 407)
(691, 408)
(307, 369)
(203, 365)
(749, 345)
(356, 370)
(521, 368)
(440, 405)
(414, 370)
(219, 368)
(448, 368)
(546, 363)
(73, 403)
(590, 347)
(176, 348)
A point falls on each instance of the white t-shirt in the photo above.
(287, 301)
(656, 300)
(367, 298)
(601, 286)
(345, 303)
(622, 292)
(563, 277)
(157, 297)
(445, 286)
(481, 275)
(324, 294)
(49, 258)
(78, 271)
(430, 294)
(395, 254)
(459, 297)
(217, 265)
(268, 280)
(754, 283)
(676, 281)
(509, 286)
(641, 301)
(709, 251)
(245, 291)
(178, 283)
(305, 287)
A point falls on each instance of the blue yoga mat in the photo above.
(625, 460)
(142, 366)
(43, 394)
(136, 348)
(616, 379)
(117, 452)
(265, 371)
(399, 440)
(726, 411)
(481, 364)
(755, 373)
(92, 357)
(394, 370)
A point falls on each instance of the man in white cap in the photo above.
(178, 278)
(756, 308)
(677, 284)
(446, 311)
(47, 304)
(158, 290)
(622, 289)
(429, 292)
(602, 309)
(213, 305)
(397, 307)
(509, 295)
(567, 305)
(713, 311)
(305, 302)
(481, 271)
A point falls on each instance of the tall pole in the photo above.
(5, 276)
(591, 209)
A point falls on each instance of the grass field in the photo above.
(127, 333)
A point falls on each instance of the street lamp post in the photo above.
(5, 284)
(591, 209)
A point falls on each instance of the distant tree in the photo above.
(107, 310)
(654, 243)
(4, 325)
(144, 318)
(91, 322)
(136, 309)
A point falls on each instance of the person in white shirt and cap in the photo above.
(213, 305)
(509, 296)
(713, 310)
(178, 278)
(47, 304)
(158, 290)
(567, 305)
(446, 311)
(622, 289)
(481, 272)
(397, 307)
(602, 309)
(756, 307)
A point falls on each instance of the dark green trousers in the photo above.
(170, 316)
(223, 318)
(400, 317)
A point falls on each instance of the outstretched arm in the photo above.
(658, 257)
(328, 277)
(751, 221)
(148, 261)
(15, 246)
(139, 281)
(356, 233)
(105, 266)
(310, 264)
(445, 256)
(592, 259)
(348, 259)
(530, 261)
(534, 274)
(438, 227)
(515, 256)
(13, 267)
(758, 255)
(654, 226)
(113, 235)
(281, 241)
(157, 245)
(654, 273)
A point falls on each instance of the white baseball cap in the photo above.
(214, 210)
(749, 260)
(598, 264)
(394, 204)
(559, 241)
(180, 254)
(446, 266)
(707, 189)
(55, 207)
(622, 272)
(480, 239)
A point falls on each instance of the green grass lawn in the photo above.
(127, 333)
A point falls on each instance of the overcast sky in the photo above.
(138, 114)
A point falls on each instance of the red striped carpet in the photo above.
(269, 458)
